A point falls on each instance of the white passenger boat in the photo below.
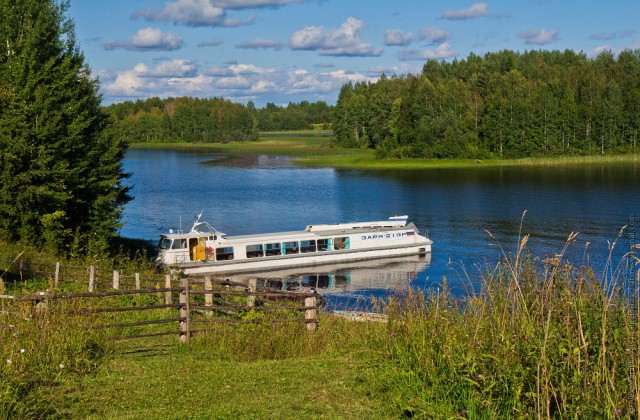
(204, 250)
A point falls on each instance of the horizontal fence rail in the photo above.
(199, 300)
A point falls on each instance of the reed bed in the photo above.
(546, 343)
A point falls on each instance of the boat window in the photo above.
(290, 247)
(341, 243)
(254, 251)
(224, 253)
(324, 244)
(272, 249)
(179, 244)
(165, 243)
(308, 246)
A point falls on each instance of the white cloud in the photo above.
(397, 37)
(189, 85)
(252, 4)
(441, 52)
(237, 81)
(434, 35)
(261, 43)
(212, 43)
(175, 68)
(308, 38)
(475, 11)
(344, 41)
(607, 36)
(539, 36)
(213, 13)
(193, 13)
(148, 39)
(145, 81)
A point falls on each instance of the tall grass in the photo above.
(37, 348)
(546, 342)
(276, 338)
(41, 344)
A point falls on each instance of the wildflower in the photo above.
(392, 334)
(9, 361)
(61, 366)
(21, 350)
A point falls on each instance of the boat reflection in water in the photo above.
(345, 286)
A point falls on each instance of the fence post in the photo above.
(167, 284)
(138, 281)
(116, 279)
(56, 279)
(311, 314)
(208, 298)
(92, 279)
(21, 267)
(251, 299)
(185, 324)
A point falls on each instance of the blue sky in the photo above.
(284, 51)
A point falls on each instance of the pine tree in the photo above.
(60, 172)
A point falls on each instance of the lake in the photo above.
(263, 193)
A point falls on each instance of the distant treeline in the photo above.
(210, 120)
(302, 116)
(183, 119)
(504, 104)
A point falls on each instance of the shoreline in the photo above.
(317, 151)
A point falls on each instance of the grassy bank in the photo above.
(238, 374)
(318, 151)
(541, 339)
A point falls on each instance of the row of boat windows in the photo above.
(285, 248)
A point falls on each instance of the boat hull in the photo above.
(304, 260)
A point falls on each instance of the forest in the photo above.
(61, 177)
(214, 120)
(504, 105)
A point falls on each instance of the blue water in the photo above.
(457, 206)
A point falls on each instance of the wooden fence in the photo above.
(199, 301)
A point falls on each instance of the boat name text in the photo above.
(384, 236)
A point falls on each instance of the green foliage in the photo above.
(60, 173)
(302, 116)
(189, 120)
(504, 105)
(215, 120)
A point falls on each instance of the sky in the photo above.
(283, 51)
